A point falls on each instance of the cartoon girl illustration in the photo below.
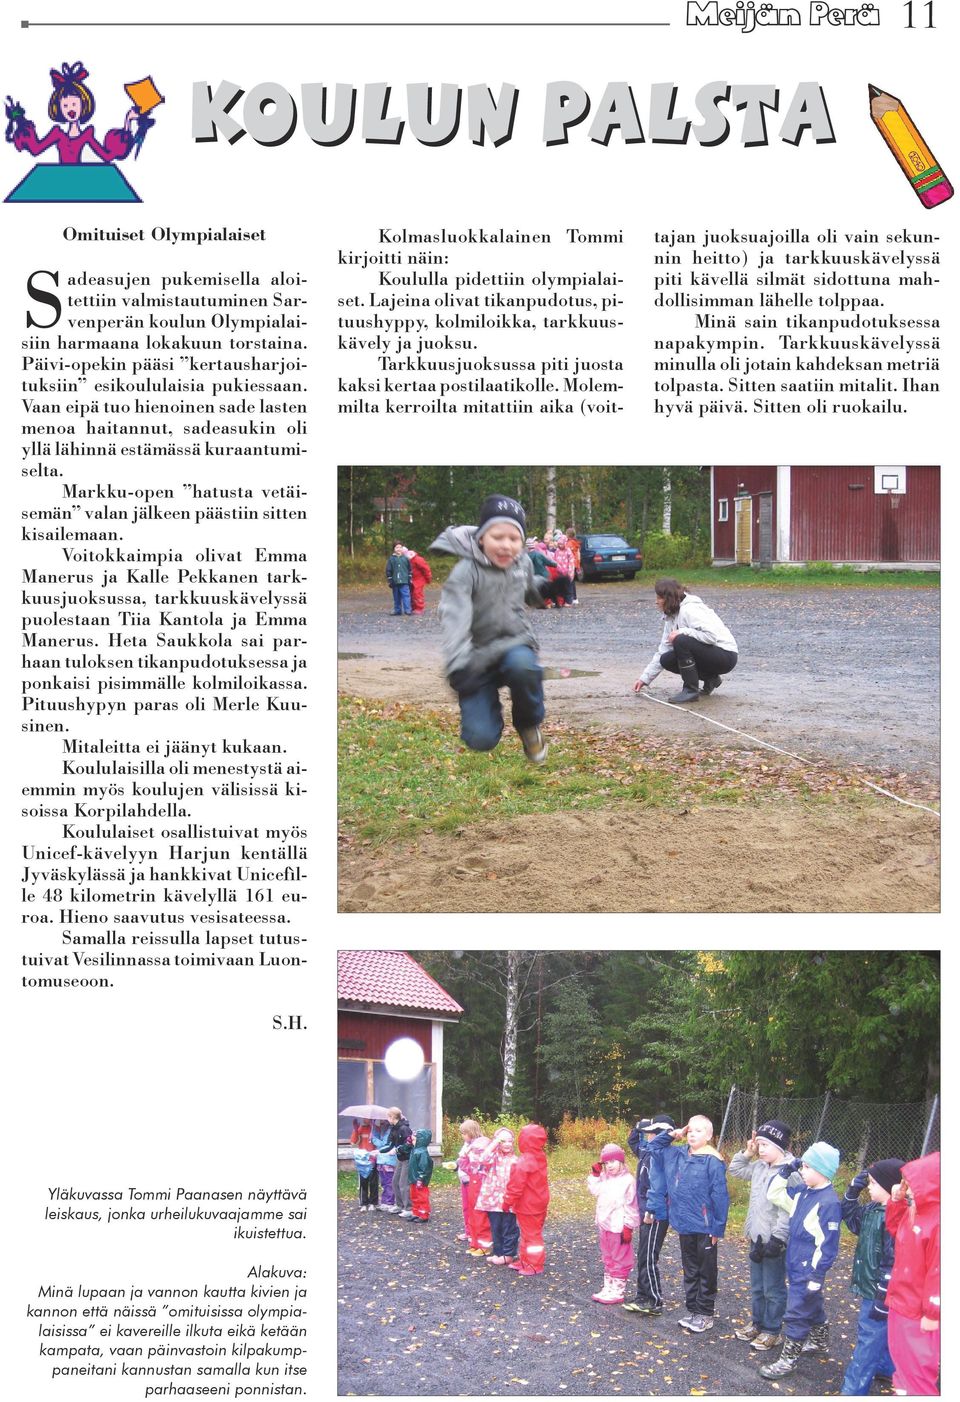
(72, 105)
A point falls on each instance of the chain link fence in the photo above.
(862, 1130)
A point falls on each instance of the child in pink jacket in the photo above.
(616, 1193)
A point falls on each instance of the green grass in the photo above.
(403, 769)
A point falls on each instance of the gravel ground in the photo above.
(832, 673)
(419, 1316)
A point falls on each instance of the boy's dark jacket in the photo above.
(421, 1164)
(873, 1258)
(482, 608)
(398, 570)
(651, 1187)
(528, 1191)
(696, 1186)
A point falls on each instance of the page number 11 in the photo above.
(929, 9)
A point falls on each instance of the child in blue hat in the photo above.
(804, 1189)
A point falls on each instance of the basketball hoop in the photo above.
(894, 496)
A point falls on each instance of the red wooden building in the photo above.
(877, 515)
(383, 995)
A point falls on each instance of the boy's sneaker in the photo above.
(765, 1341)
(700, 1323)
(407, 1215)
(686, 1321)
(534, 746)
(476, 1251)
(747, 1332)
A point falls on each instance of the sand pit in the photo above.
(779, 856)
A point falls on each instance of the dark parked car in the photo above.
(602, 554)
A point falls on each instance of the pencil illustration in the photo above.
(912, 152)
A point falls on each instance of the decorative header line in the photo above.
(344, 24)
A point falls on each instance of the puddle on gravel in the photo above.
(560, 674)
(350, 656)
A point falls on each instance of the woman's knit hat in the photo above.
(611, 1152)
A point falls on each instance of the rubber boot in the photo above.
(602, 1296)
(787, 1362)
(710, 684)
(618, 1287)
(817, 1341)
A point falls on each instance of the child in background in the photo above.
(913, 1296)
(696, 1184)
(812, 1247)
(386, 1164)
(488, 640)
(400, 1140)
(573, 545)
(421, 1171)
(479, 1231)
(420, 576)
(651, 1195)
(767, 1227)
(495, 1164)
(616, 1216)
(365, 1163)
(469, 1131)
(528, 1196)
(398, 577)
(872, 1264)
(566, 568)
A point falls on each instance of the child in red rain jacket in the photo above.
(420, 576)
(527, 1196)
(913, 1295)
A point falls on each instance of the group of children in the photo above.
(793, 1223)
(408, 574)
(393, 1166)
(557, 558)
(504, 1195)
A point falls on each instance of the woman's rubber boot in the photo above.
(817, 1341)
(680, 698)
(787, 1362)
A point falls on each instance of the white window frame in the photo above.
(723, 509)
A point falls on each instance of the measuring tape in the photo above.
(789, 753)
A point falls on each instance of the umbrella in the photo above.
(365, 1112)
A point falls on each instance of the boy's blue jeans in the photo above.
(401, 598)
(481, 716)
(768, 1292)
(870, 1356)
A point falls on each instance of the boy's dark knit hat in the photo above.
(776, 1131)
(497, 508)
(887, 1172)
(657, 1123)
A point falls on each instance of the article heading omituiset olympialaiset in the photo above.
(381, 115)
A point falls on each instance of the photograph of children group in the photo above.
(602, 649)
(659, 1173)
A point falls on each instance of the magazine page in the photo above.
(441, 342)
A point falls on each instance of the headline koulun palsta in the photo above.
(434, 115)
